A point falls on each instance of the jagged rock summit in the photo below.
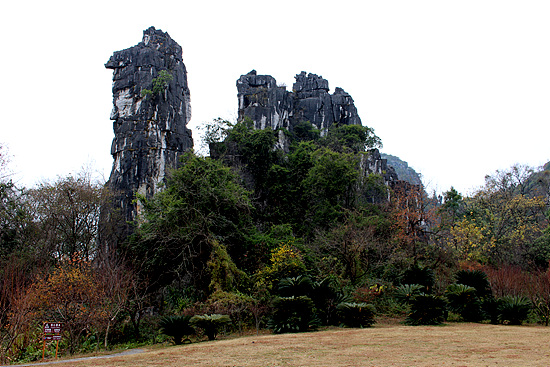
(270, 105)
(151, 109)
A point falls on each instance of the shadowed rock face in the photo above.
(269, 105)
(150, 130)
(272, 106)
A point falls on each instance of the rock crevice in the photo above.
(150, 128)
(270, 105)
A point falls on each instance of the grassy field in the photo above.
(382, 345)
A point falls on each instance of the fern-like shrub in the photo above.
(406, 292)
(419, 275)
(514, 310)
(293, 315)
(353, 314)
(210, 324)
(477, 279)
(464, 301)
(491, 309)
(176, 327)
(295, 286)
(427, 309)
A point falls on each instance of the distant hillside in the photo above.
(404, 172)
(539, 180)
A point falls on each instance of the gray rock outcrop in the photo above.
(270, 105)
(150, 127)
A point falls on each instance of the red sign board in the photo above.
(52, 327)
(52, 331)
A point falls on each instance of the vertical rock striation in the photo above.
(150, 127)
(269, 105)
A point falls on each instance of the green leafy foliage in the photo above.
(477, 279)
(256, 150)
(331, 183)
(514, 310)
(238, 306)
(210, 324)
(491, 308)
(354, 138)
(305, 131)
(176, 327)
(15, 218)
(358, 247)
(216, 131)
(297, 286)
(326, 295)
(406, 292)
(427, 309)
(356, 315)
(202, 206)
(293, 315)
(286, 262)
(419, 275)
(160, 83)
(463, 300)
(224, 274)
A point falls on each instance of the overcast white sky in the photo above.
(458, 89)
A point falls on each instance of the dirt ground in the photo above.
(381, 345)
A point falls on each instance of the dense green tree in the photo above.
(330, 184)
(452, 208)
(203, 203)
(305, 131)
(354, 138)
(256, 149)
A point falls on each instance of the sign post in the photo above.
(51, 331)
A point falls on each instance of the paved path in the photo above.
(125, 353)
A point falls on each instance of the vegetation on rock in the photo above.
(289, 239)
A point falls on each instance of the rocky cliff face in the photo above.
(269, 105)
(372, 162)
(150, 127)
(403, 170)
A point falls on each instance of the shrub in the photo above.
(293, 315)
(176, 327)
(160, 83)
(491, 307)
(296, 286)
(210, 324)
(417, 275)
(514, 309)
(427, 309)
(326, 297)
(463, 300)
(285, 262)
(356, 314)
(475, 278)
(406, 292)
(236, 305)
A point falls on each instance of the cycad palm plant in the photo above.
(176, 327)
(210, 324)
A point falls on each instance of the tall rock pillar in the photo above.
(151, 109)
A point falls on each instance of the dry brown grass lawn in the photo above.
(382, 345)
